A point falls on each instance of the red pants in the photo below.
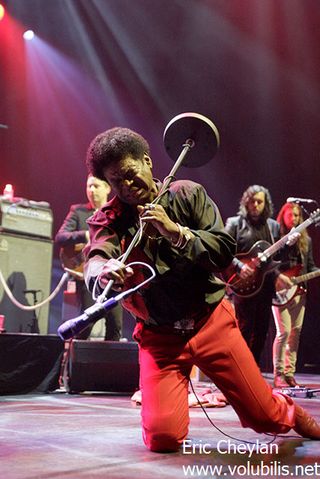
(219, 350)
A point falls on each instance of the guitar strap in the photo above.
(270, 230)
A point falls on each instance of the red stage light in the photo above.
(2, 12)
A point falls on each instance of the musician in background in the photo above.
(72, 236)
(254, 223)
(295, 260)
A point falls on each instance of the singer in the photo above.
(181, 316)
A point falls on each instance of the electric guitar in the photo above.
(284, 296)
(259, 258)
(72, 260)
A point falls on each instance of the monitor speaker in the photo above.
(110, 366)
(25, 263)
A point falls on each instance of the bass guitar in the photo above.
(259, 258)
(284, 296)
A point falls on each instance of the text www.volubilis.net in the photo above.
(262, 469)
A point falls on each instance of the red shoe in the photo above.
(306, 425)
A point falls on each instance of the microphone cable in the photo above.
(72, 327)
(274, 436)
(54, 293)
(100, 298)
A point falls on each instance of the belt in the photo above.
(182, 327)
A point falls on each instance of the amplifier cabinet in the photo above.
(102, 366)
(26, 217)
(26, 264)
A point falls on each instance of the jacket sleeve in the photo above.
(104, 244)
(69, 232)
(231, 227)
(211, 247)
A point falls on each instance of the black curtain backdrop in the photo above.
(251, 66)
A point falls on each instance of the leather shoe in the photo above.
(290, 380)
(306, 425)
(280, 382)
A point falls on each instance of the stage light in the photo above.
(2, 12)
(28, 35)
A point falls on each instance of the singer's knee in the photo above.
(164, 433)
(161, 441)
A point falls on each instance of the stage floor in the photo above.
(96, 435)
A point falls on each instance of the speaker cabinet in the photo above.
(29, 363)
(102, 366)
(25, 263)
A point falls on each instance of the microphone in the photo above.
(291, 199)
(74, 326)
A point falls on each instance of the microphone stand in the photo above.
(34, 327)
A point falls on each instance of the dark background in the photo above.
(251, 66)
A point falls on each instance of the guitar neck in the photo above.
(306, 277)
(282, 241)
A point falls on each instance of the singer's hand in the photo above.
(157, 216)
(117, 271)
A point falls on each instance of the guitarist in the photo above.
(72, 236)
(288, 318)
(254, 223)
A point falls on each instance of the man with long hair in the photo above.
(252, 224)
